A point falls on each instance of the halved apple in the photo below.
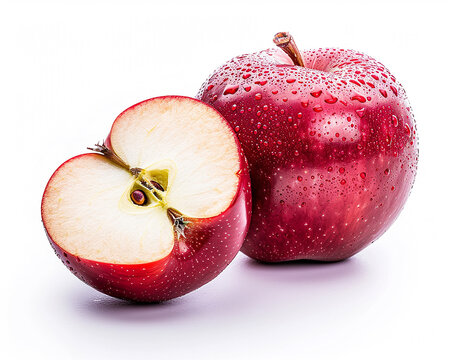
(161, 208)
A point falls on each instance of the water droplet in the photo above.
(233, 107)
(343, 182)
(394, 120)
(317, 108)
(299, 178)
(383, 92)
(209, 87)
(342, 170)
(360, 98)
(386, 172)
(290, 81)
(258, 96)
(246, 76)
(394, 90)
(360, 112)
(363, 175)
(231, 90)
(332, 100)
(408, 130)
(316, 94)
(299, 115)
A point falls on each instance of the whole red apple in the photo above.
(160, 210)
(331, 143)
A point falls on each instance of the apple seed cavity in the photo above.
(156, 190)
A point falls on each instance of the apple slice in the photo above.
(161, 208)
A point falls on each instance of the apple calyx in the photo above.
(178, 222)
(286, 42)
(146, 191)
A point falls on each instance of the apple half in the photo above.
(159, 209)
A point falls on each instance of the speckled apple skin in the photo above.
(209, 245)
(332, 149)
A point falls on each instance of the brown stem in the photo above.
(110, 155)
(286, 42)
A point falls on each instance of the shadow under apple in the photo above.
(246, 287)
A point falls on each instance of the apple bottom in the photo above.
(208, 247)
(305, 222)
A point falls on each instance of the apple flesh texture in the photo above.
(132, 252)
(331, 146)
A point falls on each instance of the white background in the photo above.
(68, 68)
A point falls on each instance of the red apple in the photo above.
(160, 210)
(331, 143)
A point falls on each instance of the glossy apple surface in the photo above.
(143, 252)
(332, 149)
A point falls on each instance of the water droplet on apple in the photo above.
(317, 108)
(231, 90)
(332, 100)
(394, 90)
(394, 120)
(360, 112)
(359, 98)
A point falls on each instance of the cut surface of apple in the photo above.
(167, 160)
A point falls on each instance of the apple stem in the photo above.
(286, 42)
(110, 155)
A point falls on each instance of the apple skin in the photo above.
(209, 245)
(332, 149)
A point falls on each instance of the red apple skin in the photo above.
(210, 244)
(332, 149)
